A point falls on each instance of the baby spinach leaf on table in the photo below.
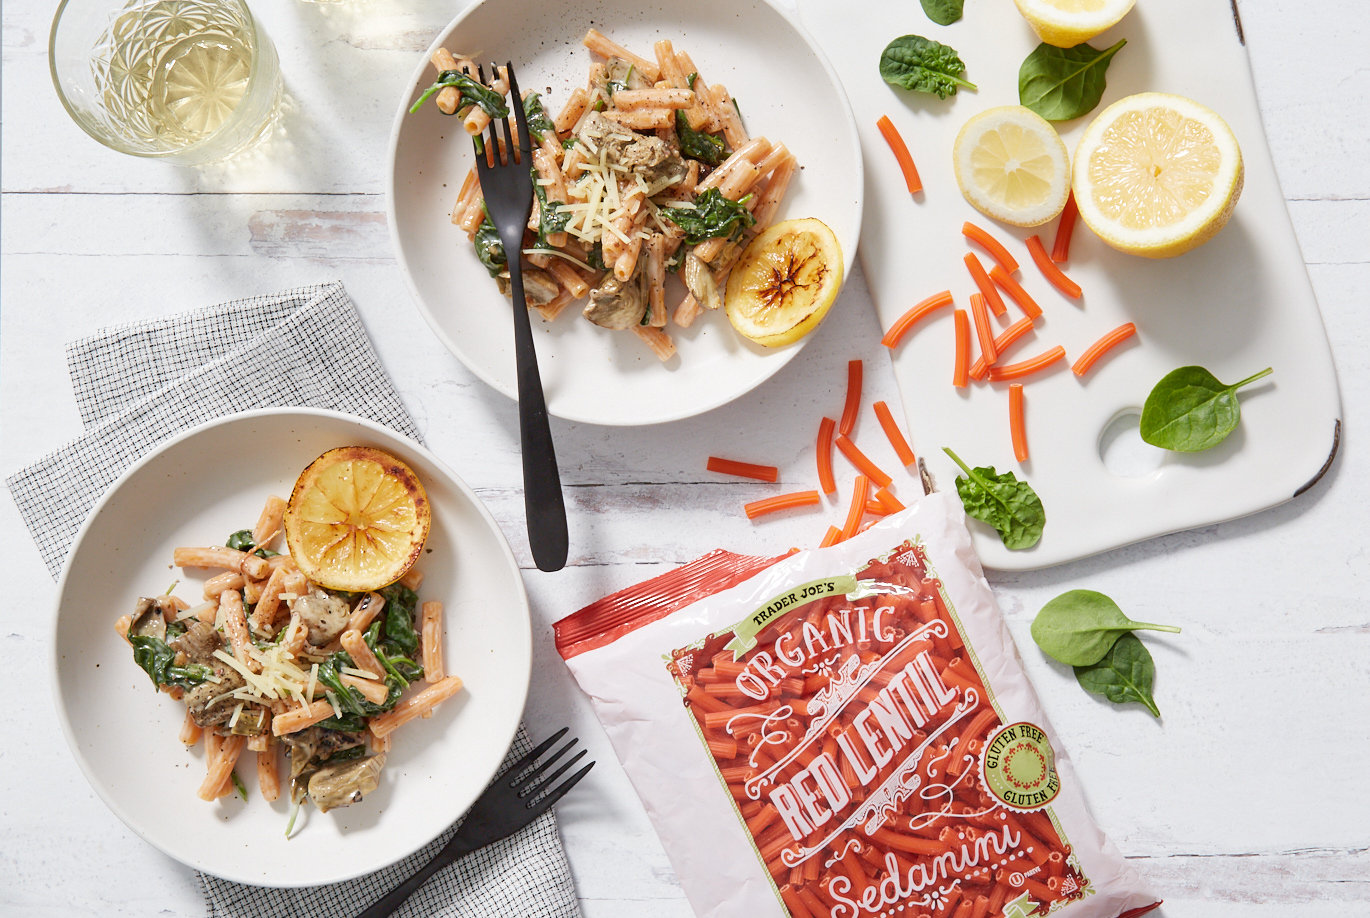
(472, 93)
(1190, 410)
(943, 12)
(1080, 626)
(923, 65)
(1126, 673)
(1064, 83)
(1004, 502)
(712, 216)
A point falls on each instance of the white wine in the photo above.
(175, 74)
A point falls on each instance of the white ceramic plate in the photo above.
(195, 490)
(786, 92)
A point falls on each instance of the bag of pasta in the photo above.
(845, 733)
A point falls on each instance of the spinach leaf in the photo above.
(238, 785)
(472, 93)
(550, 219)
(1064, 83)
(1080, 626)
(1126, 673)
(712, 216)
(158, 660)
(1189, 410)
(489, 249)
(1007, 504)
(400, 604)
(539, 123)
(943, 12)
(595, 257)
(707, 148)
(241, 541)
(923, 65)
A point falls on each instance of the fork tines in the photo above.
(506, 151)
(524, 774)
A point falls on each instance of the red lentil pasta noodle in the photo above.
(858, 737)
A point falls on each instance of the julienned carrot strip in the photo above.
(852, 406)
(887, 500)
(1002, 342)
(901, 154)
(826, 428)
(831, 537)
(1029, 366)
(862, 461)
(911, 318)
(1105, 344)
(1015, 422)
(781, 502)
(1049, 269)
(857, 509)
(987, 288)
(980, 312)
(1016, 291)
(1060, 249)
(743, 469)
(960, 374)
(895, 435)
(991, 245)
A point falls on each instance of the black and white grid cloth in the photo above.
(140, 384)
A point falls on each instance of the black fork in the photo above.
(518, 796)
(506, 181)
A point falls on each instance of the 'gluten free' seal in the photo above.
(1019, 767)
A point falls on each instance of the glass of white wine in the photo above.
(190, 81)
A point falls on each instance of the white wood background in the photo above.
(1249, 798)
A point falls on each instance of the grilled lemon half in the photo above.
(357, 519)
(785, 282)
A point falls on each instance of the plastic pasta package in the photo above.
(846, 733)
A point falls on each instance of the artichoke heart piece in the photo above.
(341, 783)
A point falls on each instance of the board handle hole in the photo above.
(1122, 449)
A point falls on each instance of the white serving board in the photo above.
(1236, 305)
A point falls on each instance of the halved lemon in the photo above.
(785, 281)
(1157, 174)
(1012, 166)
(356, 519)
(1066, 23)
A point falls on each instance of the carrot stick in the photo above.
(1060, 250)
(1029, 366)
(862, 462)
(1016, 291)
(980, 312)
(1102, 346)
(960, 373)
(781, 502)
(852, 405)
(911, 318)
(1049, 269)
(743, 469)
(991, 245)
(857, 508)
(1002, 342)
(895, 435)
(987, 288)
(887, 500)
(826, 428)
(1015, 422)
(831, 537)
(901, 154)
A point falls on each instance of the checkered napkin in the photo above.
(137, 385)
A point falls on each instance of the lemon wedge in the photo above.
(1066, 23)
(1012, 166)
(785, 281)
(1157, 174)
(357, 519)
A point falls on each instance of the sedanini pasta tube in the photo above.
(846, 733)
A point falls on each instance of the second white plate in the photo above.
(786, 92)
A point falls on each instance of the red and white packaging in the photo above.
(846, 733)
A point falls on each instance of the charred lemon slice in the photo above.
(785, 282)
(357, 519)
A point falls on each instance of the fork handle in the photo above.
(543, 504)
(389, 903)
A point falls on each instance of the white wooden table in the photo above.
(1249, 799)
